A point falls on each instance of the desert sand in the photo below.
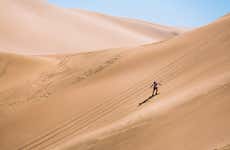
(68, 88)
(32, 27)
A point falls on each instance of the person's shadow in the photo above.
(146, 100)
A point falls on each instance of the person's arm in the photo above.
(151, 85)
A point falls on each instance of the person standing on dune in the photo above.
(155, 87)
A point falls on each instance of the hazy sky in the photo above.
(182, 13)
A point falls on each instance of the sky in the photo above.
(179, 13)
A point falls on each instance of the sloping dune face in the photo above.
(36, 27)
(193, 108)
(89, 101)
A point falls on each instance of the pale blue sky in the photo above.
(181, 13)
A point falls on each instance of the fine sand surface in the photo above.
(224, 148)
(64, 99)
(34, 26)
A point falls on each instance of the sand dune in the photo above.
(89, 100)
(192, 111)
(33, 27)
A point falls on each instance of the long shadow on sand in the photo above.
(146, 100)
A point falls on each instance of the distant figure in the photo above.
(155, 87)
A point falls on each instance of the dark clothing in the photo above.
(155, 86)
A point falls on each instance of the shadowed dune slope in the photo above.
(34, 27)
(89, 101)
(16, 67)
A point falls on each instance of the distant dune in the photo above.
(33, 27)
(75, 90)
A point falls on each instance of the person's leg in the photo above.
(153, 92)
(156, 91)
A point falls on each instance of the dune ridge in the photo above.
(37, 27)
